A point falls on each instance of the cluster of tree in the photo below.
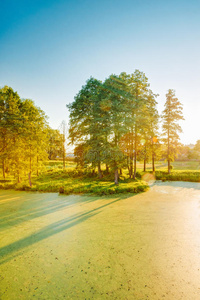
(26, 140)
(189, 152)
(116, 123)
(194, 153)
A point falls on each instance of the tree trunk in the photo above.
(29, 178)
(29, 174)
(153, 163)
(131, 155)
(37, 166)
(131, 166)
(135, 154)
(107, 169)
(128, 167)
(3, 169)
(63, 157)
(135, 160)
(116, 176)
(135, 131)
(99, 170)
(168, 153)
(169, 170)
(145, 165)
(120, 171)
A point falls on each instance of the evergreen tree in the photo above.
(87, 122)
(137, 89)
(152, 126)
(171, 129)
(109, 120)
(117, 97)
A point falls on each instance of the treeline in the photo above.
(116, 123)
(26, 140)
(191, 152)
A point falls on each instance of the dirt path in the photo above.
(78, 247)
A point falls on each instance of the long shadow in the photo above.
(12, 250)
(45, 207)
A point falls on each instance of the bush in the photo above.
(61, 190)
(190, 176)
(22, 187)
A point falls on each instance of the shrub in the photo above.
(22, 187)
(61, 190)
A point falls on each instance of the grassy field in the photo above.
(177, 166)
(161, 165)
(72, 181)
(181, 171)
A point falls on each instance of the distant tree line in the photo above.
(116, 123)
(189, 152)
(26, 140)
(113, 123)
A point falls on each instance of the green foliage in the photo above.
(171, 129)
(190, 176)
(76, 181)
(109, 120)
(55, 139)
(23, 135)
(195, 152)
(87, 185)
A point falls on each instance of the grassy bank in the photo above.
(72, 181)
(176, 175)
(191, 176)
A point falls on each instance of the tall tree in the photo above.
(10, 104)
(22, 134)
(107, 121)
(152, 126)
(87, 122)
(35, 134)
(116, 95)
(137, 89)
(63, 132)
(172, 114)
(55, 147)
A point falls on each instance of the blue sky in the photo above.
(49, 48)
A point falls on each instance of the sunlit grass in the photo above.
(77, 181)
(74, 181)
(70, 180)
(177, 165)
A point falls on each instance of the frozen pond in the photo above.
(82, 247)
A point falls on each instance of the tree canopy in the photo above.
(110, 119)
(172, 114)
(23, 135)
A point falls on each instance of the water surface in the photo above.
(145, 246)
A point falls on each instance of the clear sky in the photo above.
(49, 48)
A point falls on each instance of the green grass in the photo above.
(181, 171)
(179, 175)
(73, 181)
(177, 165)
